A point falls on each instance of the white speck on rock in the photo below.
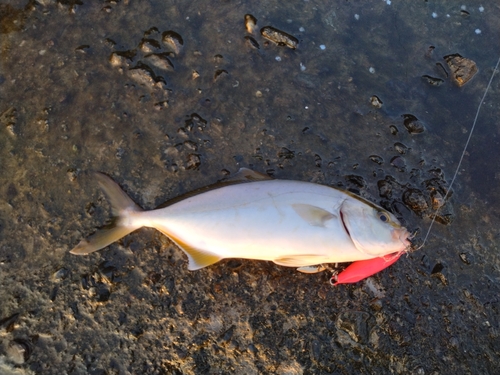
(356, 17)
(481, 8)
(371, 70)
(322, 47)
(277, 58)
(434, 15)
(477, 31)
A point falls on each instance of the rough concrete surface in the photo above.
(170, 96)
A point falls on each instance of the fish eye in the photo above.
(384, 217)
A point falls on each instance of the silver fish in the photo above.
(292, 223)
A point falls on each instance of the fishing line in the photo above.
(463, 153)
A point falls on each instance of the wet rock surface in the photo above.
(167, 98)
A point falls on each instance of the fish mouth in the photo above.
(405, 237)
(411, 241)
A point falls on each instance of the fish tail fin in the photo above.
(122, 207)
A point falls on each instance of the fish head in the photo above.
(372, 229)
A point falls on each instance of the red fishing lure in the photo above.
(362, 269)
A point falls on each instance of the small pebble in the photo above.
(322, 47)
(279, 37)
(250, 23)
(302, 67)
(481, 8)
(477, 31)
(301, 29)
(277, 58)
(356, 17)
(376, 102)
(434, 15)
(371, 70)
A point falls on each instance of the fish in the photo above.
(253, 216)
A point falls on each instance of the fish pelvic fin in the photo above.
(122, 207)
(301, 261)
(312, 269)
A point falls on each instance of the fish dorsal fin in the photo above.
(197, 258)
(315, 216)
(247, 175)
(300, 260)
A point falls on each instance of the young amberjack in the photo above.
(292, 223)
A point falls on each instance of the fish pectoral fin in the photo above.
(315, 216)
(247, 175)
(301, 261)
(197, 258)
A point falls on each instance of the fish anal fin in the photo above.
(314, 215)
(197, 258)
(247, 175)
